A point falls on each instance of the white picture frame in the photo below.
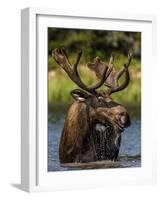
(34, 176)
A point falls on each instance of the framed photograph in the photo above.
(87, 117)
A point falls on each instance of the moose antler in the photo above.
(61, 58)
(112, 81)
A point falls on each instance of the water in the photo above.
(130, 150)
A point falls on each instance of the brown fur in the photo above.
(74, 144)
(74, 131)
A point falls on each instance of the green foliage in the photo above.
(93, 43)
(60, 85)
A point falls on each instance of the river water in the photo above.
(129, 155)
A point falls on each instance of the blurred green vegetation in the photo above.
(93, 43)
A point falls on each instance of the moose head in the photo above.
(94, 122)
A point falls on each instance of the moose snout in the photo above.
(125, 120)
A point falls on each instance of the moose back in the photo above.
(94, 122)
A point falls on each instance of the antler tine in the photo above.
(110, 68)
(123, 70)
(110, 64)
(122, 86)
(103, 79)
(130, 55)
(61, 58)
(111, 60)
(77, 61)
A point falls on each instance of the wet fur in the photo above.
(83, 140)
(74, 132)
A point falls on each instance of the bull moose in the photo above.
(94, 122)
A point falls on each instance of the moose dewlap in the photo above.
(94, 122)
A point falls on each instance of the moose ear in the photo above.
(79, 95)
